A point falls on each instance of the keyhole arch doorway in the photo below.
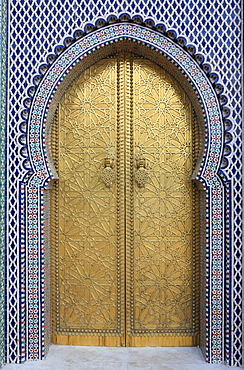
(125, 212)
(34, 265)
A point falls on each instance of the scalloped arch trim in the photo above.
(49, 84)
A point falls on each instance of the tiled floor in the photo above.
(105, 358)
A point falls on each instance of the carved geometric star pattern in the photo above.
(92, 220)
(87, 224)
(162, 284)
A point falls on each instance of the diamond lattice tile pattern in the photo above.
(2, 174)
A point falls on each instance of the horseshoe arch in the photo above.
(34, 197)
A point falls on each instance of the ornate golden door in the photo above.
(124, 214)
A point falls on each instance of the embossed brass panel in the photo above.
(89, 288)
(124, 209)
(160, 239)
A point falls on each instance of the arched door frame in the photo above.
(34, 201)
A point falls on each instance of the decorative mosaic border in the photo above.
(40, 173)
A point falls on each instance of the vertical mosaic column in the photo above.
(34, 292)
(3, 25)
(214, 281)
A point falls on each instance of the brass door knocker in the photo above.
(141, 173)
(108, 173)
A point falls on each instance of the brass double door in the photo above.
(124, 210)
